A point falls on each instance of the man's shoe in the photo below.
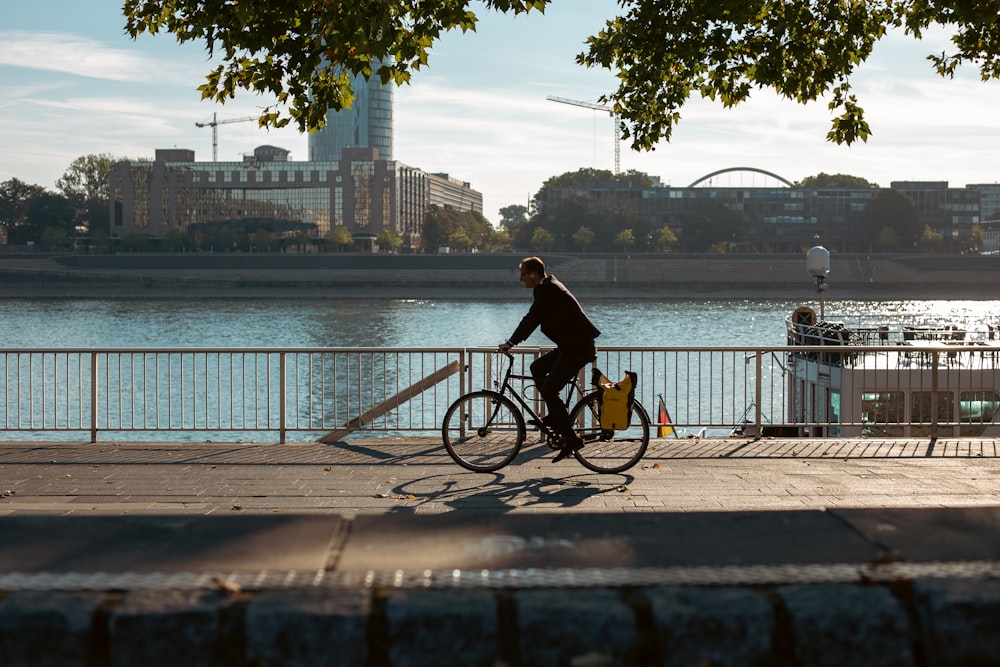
(547, 420)
(568, 449)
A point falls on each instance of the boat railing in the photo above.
(841, 332)
(329, 394)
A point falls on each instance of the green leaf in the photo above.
(659, 51)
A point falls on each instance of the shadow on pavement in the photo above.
(494, 493)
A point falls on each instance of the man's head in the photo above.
(532, 271)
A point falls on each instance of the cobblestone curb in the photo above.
(903, 623)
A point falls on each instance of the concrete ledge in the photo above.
(849, 626)
(939, 622)
(307, 628)
(486, 276)
(51, 628)
(157, 627)
(449, 627)
(959, 621)
(709, 626)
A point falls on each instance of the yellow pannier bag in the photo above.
(616, 401)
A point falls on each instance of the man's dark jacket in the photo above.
(560, 316)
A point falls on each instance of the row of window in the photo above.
(886, 411)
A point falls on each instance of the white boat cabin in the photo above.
(892, 380)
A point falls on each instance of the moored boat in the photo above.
(892, 379)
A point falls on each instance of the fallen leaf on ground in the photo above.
(885, 557)
(226, 586)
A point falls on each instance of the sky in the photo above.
(75, 84)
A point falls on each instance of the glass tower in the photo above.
(367, 124)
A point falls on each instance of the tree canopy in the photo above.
(15, 198)
(86, 183)
(825, 180)
(661, 52)
(588, 176)
(446, 227)
(890, 210)
(706, 224)
(88, 177)
(305, 52)
(565, 204)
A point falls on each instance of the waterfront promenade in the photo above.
(489, 276)
(384, 552)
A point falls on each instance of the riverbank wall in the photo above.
(491, 276)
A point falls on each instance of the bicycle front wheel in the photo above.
(605, 450)
(483, 431)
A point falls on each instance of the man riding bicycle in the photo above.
(563, 321)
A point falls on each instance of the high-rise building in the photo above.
(357, 191)
(367, 124)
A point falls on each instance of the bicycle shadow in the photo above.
(494, 493)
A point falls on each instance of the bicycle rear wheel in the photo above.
(604, 450)
(483, 431)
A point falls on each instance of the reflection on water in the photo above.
(425, 323)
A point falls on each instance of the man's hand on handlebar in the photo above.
(505, 347)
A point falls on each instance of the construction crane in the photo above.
(214, 124)
(599, 107)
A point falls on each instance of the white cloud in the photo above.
(79, 56)
(20, 95)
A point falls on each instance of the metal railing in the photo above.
(327, 393)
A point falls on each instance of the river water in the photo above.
(424, 323)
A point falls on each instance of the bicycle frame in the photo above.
(507, 389)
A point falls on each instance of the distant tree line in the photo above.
(571, 212)
(31, 214)
(579, 212)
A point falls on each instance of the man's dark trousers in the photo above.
(552, 371)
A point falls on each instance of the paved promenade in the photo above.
(384, 552)
(415, 476)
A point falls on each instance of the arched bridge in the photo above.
(732, 169)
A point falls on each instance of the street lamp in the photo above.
(818, 265)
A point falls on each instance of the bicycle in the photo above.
(484, 430)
